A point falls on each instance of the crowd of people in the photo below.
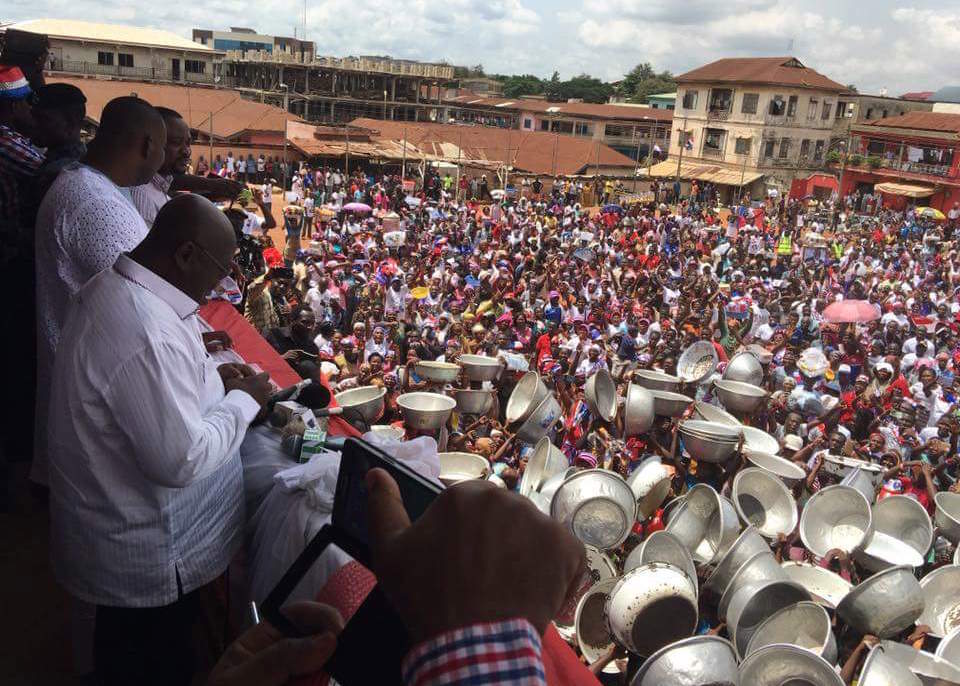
(138, 429)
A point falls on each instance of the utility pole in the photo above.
(211, 141)
(683, 144)
(286, 110)
(403, 159)
(843, 168)
(743, 170)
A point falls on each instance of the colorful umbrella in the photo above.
(357, 207)
(851, 311)
(930, 213)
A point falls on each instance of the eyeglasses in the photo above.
(224, 271)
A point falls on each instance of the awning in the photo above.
(909, 190)
(701, 171)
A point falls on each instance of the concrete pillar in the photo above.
(416, 85)
(306, 80)
(281, 74)
(332, 115)
(393, 89)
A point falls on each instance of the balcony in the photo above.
(711, 153)
(718, 114)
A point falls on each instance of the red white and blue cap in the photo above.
(13, 84)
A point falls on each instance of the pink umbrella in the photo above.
(851, 311)
(357, 207)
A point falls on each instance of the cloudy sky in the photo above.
(881, 44)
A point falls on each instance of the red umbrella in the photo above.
(851, 311)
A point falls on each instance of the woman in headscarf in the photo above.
(377, 343)
(888, 385)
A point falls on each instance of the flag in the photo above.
(656, 149)
(689, 144)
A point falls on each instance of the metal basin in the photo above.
(638, 413)
(394, 433)
(539, 422)
(804, 624)
(669, 404)
(740, 397)
(787, 665)
(885, 604)
(457, 467)
(600, 568)
(480, 367)
(696, 661)
(841, 466)
(825, 587)
(590, 623)
(367, 401)
(544, 496)
(902, 535)
(545, 461)
(941, 600)
(650, 483)
(949, 648)
(439, 372)
(656, 381)
(662, 546)
(883, 669)
(925, 666)
(759, 568)
(471, 401)
(744, 367)
(762, 500)
(715, 444)
(753, 603)
(425, 411)
(705, 523)
(597, 506)
(526, 396)
(697, 362)
(788, 472)
(757, 440)
(600, 394)
(947, 515)
(860, 480)
(672, 507)
(651, 607)
(711, 413)
(746, 545)
(835, 517)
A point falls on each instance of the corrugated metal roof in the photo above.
(774, 71)
(577, 109)
(701, 171)
(108, 33)
(924, 121)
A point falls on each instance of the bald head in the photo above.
(130, 141)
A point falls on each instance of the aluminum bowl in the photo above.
(651, 607)
(710, 445)
(545, 461)
(835, 517)
(825, 587)
(480, 367)
(438, 372)
(367, 401)
(712, 413)
(695, 661)
(753, 603)
(941, 600)
(788, 472)
(841, 466)
(544, 495)
(471, 401)
(599, 568)
(759, 568)
(883, 669)
(671, 508)
(860, 480)
(526, 396)
(740, 397)
(457, 467)
(762, 500)
(902, 535)
(650, 483)
(638, 413)
(924, 666)
(394, 433)
(787, 665)
(716, 430)
(597, 506)
(656, 381)
(746, 545)
(885, 604)
(697, 362)
(669, 404)
(804, 624)
(590, 622)
(705, 523)
(757, 440)
(949, 648)
(539, 422)
(947, 515)
(662, 546)
(744, 367)
(600, 394)
(425, 411)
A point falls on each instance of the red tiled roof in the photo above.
(917, 95)
(530, 151)
(923, 121)
(232, 114)
(773, 71)
(579, 109)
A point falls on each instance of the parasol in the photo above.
(851, 311)
(930, 213)
(357, 207)
(412, 201)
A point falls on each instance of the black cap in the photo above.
(53, 96)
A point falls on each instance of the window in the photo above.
(792, 106)
(768, 148)
(812, 109)
(544, 125)
(528, 123)
(826, 111)
(194, 66)
(105, 59)
(841, 108)
(616, 130)
(883, 114)
(713, 140)
(777, 106)
(562, 127)
(818, 151)
(690, 100)
(804, 148)
(125, 60)
(582, 129)
(749, 105)
(742, 146)
(683, 137)
(869, 114)
(784, 148)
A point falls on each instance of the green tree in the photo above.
(642, 81)
(527, 84)
(477, 70)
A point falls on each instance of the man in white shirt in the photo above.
(146, 493)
